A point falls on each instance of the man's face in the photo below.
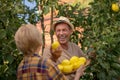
(63, 33)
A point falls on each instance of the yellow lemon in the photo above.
(82, 59)
(77, 65)
(65, 62)
(115, 7)
(55, 45)
(60, 67)
(67, 68)
(81, 63)
(74, 59)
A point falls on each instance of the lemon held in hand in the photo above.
(82, 59)
(74, 59)
(77, 62)
(55, 45)
(65, 62)
(67, 68)
(60, 67)
(76, 65)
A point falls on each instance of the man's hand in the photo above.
(88, 62)
(79, 72)
(81, 69)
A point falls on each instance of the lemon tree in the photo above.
(12, 15)
(102, 30)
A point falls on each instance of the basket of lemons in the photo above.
(70, 66)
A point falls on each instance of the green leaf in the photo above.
(101, 75)
(113, 73)
(116, 66)
(2, 34)
(105, 65)
(3, 68)
(46, 9)
(10, 58)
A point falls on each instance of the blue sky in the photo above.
(30, 4)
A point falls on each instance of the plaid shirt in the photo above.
(37, 68)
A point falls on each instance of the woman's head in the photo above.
(28, 39)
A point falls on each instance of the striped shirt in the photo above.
(37, 68)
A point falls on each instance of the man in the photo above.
(63, 29)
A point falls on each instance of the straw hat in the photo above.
(63, 20)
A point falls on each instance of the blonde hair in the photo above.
(28, 39)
